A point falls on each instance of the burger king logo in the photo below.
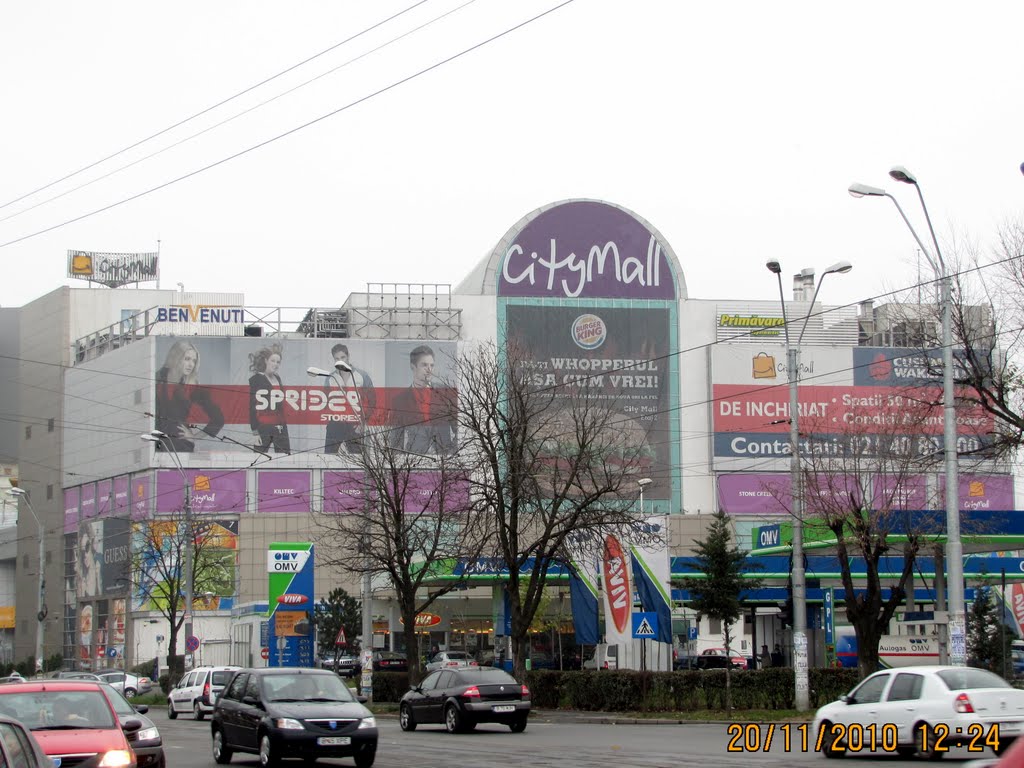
(589, 331)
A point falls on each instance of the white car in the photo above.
(925, 710)
(126, 683)
(197, 691)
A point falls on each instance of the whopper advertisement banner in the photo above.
(244, 394)
(620, 356)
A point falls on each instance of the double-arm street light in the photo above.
(366, 587)
(22, 495)
(798, 575)
(161, 438)
(954, 546)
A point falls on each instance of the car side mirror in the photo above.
(361, 699)
(142, 708)
(130, 726)
(847, 699)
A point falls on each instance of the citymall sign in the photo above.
(842, 411)
(291, 604)
(588, 292)
(113, 269)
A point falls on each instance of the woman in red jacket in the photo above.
(266, 414)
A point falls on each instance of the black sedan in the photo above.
(461, 698)
(390, 661)
(285, 712)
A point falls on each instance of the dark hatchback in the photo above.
(461, 698)
(291, 713)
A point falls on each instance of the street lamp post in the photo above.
(954, 545)
(22, 494)
(796, 483)
(156, 436)
(366, 587)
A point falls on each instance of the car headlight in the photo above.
(117, 758)
(148, 734)
(368, 722)
(288, 724)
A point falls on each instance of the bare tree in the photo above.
(857, 488)
(552, 469)
(412, 511)
(158, 560)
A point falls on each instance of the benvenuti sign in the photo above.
(290, 604)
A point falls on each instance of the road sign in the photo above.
(645, 624)
(265, 653)
(340, 639)
(192, 644)
(112, 652)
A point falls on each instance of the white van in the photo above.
(197, 691)
(602, 656)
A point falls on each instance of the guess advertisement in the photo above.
(618, 356)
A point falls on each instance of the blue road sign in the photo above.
(645, 624)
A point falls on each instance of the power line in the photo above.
(296, 129)
(220, 103)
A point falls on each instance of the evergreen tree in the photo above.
(988, 637)
(338, 610)
(717, 593)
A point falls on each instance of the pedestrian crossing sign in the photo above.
(645, 624)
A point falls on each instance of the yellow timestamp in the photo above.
(838, 738)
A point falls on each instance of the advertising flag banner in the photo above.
(651, 574)
(141, 502)
(291, 604)
(121, 491)
(1015, 603)
(583, 600)
(618, 597)
(344, 491)
(72, 498)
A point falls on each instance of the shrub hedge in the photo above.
(683, 691)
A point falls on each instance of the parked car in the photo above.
(702, 662)
(390, 661)
(738, 661)
(347, 666)
(19, 747)
(72, 675)
(292, 712)
(73, 721)
(462, 697)
(922, 704)
(450, 660)
(127, 683)
(197, 691)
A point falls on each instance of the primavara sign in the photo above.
(290, 601)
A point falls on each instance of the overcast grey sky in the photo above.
(734, 128)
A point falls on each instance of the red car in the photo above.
(73, 721)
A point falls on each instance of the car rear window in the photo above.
(457, 655)
(221, 677)
(966, 678)
(487, 676)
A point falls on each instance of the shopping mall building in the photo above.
(601, 299)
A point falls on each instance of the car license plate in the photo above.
(334, 741)
(504, 708)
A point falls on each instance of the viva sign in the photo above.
(290, 593)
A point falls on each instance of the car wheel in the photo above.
(365, 758)
(405, 718)
(829, 742)
(197, 711)
(518, 726)
(171, 713)
(130, 693)
(927, 742)
(452, 719)
(221, 754)
(268, 757)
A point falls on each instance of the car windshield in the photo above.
(305, 687)
(58, 710)
(487, 676)
(966, 678)
(118, 702)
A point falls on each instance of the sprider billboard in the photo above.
(244, 394)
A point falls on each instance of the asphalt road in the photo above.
(549, 741)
